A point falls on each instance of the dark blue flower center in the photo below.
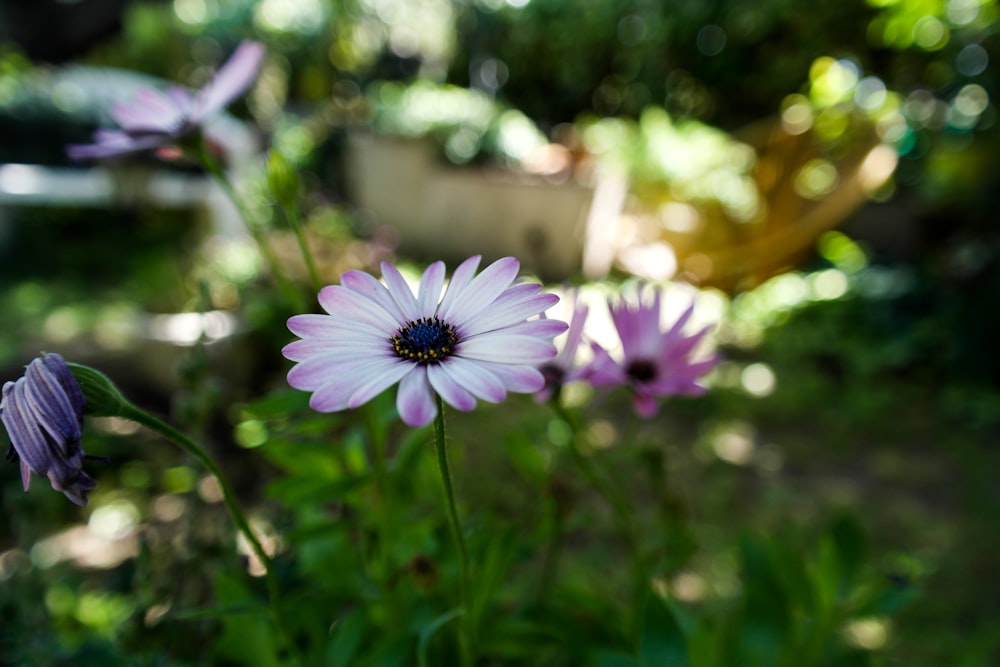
(425, 341)
(641, 370)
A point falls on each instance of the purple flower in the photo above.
(563, 368)
(475, 342)
(654, 362)
(158, 120)
(43, 415)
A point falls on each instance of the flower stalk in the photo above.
(465, 622)
(218, 174)
(284, 185)
(105, 400)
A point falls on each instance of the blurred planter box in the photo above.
(446, 212)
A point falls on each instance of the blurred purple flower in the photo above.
(563, 368)
(654, 362)
(43, 414)
(158, 120)
(475, 342)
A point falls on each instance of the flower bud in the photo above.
(282, 179)
(103, 397)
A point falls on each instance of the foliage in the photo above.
(835, 472)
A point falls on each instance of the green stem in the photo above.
(441, 447)
(217, 173)
(142, 417)
(292, 215)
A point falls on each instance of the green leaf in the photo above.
(395, 653)
(766, 617)
(492, 571)
(246, 639)
(348, 632)
(662, 642)
(526, 456)
(299, 491)
(849, 544)
(613, 659)
(428, 632)
(889, 600)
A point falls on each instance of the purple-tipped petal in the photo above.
(334, 391)
(345, 368)
(324, 326)
(151, 112)
(182, 98)
(332, 349)
(114, 143)
(305, 348)
(545, 328)
(603, 370)
(566, 357)
(415, 399)
(645, 405)
(230, 81)
(681, 347)
(681, 322)
(518, 379)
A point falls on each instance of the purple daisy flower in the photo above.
(475, 342)
(563, 368)
(157, 119)
(43, 414)
(654, 362)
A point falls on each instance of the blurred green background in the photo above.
(824, 172)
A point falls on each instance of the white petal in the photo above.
(545, 328)
(314, 372)
(380, 380)
(343, 302)
(342, 383)
(481, 292)
(520, 379)
(400, 292)
(450, 390)
(368, 286)
(230, 81)
(459, 279)
(506, 349)
(430, 289)
(312, 325)
(334, 348)
(476, 378)
(506, 310)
